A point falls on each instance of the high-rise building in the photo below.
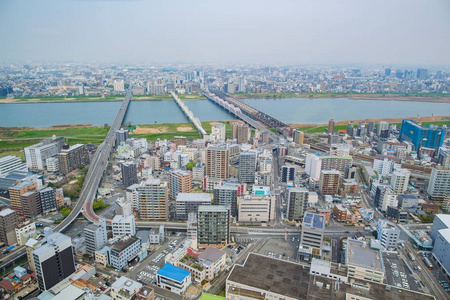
(331, 126)
(385, 197)
(192, 229)
(385, 165)
(73, 157)
(388, 234)
(429, 137)
(339, 163)
(121, 136)
(297, 202)
(31, 204)
(350, 128)
(329, 182)
(36, 155)
(129, 173)
(399, 180)
(313, 165)
(241, 133)
(155, 86)
(444, 157)
(287, 173)
(48, 199)
(15, 195)
(123, 225)
(11, 163)
(247, 167)
(387, 71)
(256, 208)
(226, 196)
(213, 225)
(217, 162)
(52, 164)
(313, 230)
(422, 74)
(383, 129)
(298, 137)
(53, 260)
(119, 86)
(189, 202)
(153, 200)
(218, 131)
(179, 182)
(8, 223)
(439, 184)
(96, 236)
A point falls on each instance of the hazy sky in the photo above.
(392, 32)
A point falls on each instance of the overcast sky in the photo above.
(390, 32)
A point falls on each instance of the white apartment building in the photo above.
(439, 185)
(388, 234)
(11, 163)
(399, 180)
(123, 225)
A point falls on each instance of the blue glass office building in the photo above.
(430, 137)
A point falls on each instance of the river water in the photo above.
(292, 110)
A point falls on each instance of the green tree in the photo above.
(190, 165)
(65, 211)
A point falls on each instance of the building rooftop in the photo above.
(212, 208)
(271, 274)
(127, 284)
(71, 148)
(359, 253)
(312, 220)
(211, 254)
(445, 218)
(6, 212)
(124, 243)
(172, 272)
(194, 197)
(123, 219)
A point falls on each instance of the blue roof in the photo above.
(172, 272)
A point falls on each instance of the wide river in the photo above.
(292, 110)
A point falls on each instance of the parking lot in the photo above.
(279, 248)
(398, 274)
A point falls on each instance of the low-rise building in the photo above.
(123, 251)
(125, 288)
(388, 234)
(363, 262)
(257, 209)
(173, 278)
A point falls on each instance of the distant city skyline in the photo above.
(286, 32)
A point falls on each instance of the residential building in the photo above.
(217, 162)
(399, 180)
(121, 136)
(388, 234)
(119, 86)
(179, 182)
(241, 133)
(129, 173)
(52, 164)
(441, 221)
(125, 288)
(421, 136)
(363, 262)
(31, 204)
(153, 200)
(329, 182)
(189, 202)
(24, 232)
(36, 155)
(123, 225)
(341, 213)
(179, 140)
(96, 236)
(226, 195)
(287, 173)
(407, 201)
(387, 197)
(8, 223)
(441, 249)
(72, 157)
(313, 165)
(11, 163)
(218, 132)
(198, 173)
(297, 201)
(247, 167)
(313, 230)
(132, 196)
(348, 186)
(439, 184)
(124, 250)
(48, 200)
(15, 195)
(256, 209)
(173, 278)
(384, 165)
(298, 137)
(340, 163)
(213, 260)
(53, 260)
(444, 157)
(213, 225)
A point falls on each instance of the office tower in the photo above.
(247, 167)
(31, 204)
(213, 225)
(15, 195)
(96, 236)
(339, 163)
(218, 131)
(256, 208)
(121, 136)
(350, 129)
(123, 251)
(119, 86)
(226, 196)
(123, 225)
(8, 224)
(153, 200)
(36, 155)
(217, 162)
(189, 202)
(287, 173)
(179, 182)
(297, 201)
(129, 173)
(387, 72)
(439, 184)
(72, 157)
(422, 74)
(388, 234)
(313, 230)
(313, 165)
(444, 157)
(298, 137)
(53, 260)
(11, 163)
(241, 133)
(329, 182)
(48, 199)
(429, 137)
(399, 180)
(331, 126)
(180, 140)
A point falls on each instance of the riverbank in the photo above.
(342, 125)
(425, 97)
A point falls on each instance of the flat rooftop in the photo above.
(359, 253)
(194, 197)
(312, 220)
(274, 275)
(123, 243)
